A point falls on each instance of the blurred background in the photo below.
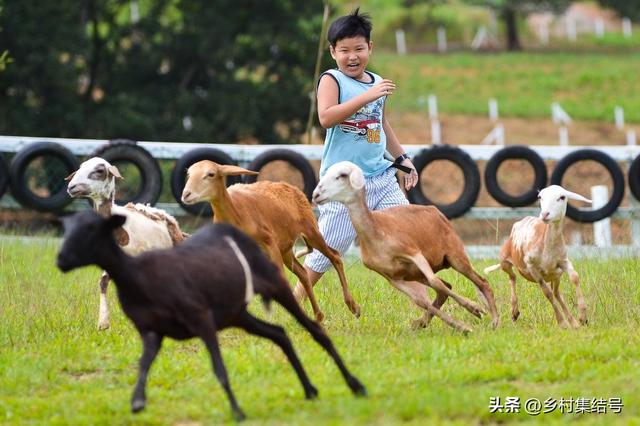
(244, 71)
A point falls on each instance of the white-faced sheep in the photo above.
(407, 245)
(146, 227)
(192, 290)
(536, 248)
(274, 214)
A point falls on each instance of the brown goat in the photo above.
(274, 214)
(407, 245)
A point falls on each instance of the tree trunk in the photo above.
(511, 24)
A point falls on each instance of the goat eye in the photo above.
(210, 174)
(562, 198)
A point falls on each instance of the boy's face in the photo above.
(352, 55)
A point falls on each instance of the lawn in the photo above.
(56, 368)
(587, 85)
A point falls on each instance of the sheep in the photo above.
(146, 228)
(194, 289)
(407, 245)
(536, 248)
(274, 214)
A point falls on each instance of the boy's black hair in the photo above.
(352, 25)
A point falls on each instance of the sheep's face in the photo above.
(84, 236)
(553, 202)
(94, 179)
(206, 179)
(341, 182)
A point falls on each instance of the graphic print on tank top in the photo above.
(365, 123)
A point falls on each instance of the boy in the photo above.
(350, 106)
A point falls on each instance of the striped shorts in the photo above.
(381, 191)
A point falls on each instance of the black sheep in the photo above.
(192, 290)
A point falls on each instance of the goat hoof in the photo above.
(311, 392)
(515, 315)
(418, 324)
(357, 387)
(319, 317)
(584, 321)
(495, 323)
(238, 415)
(137, 405)
(103, 325)
(355, 309)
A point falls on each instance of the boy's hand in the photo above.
(410, 179)
(384, 88)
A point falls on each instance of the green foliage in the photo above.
(625, 8)
(56, 368)
(234, 69)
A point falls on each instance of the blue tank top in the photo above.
(360, 138)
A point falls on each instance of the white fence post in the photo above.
(626, 27)
(635, 223)
(631, 137)
(401, 44)
(571, 29)
(598, 27)
(442, 39)
(433, 117)
(543, 34)
(601, 228)
(618, 113)
(560, 116)
(493, 109)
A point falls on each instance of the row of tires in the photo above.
(150, 185)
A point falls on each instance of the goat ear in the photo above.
(578, 197)
(68, 178)
(116, 221)
(115, 172)
(356, 180)
(229, 170)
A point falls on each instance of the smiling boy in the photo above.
(351, 103)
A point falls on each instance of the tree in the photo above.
(187, 70)
(509, 10)
(625, 8)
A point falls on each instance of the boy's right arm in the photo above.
(331, 113)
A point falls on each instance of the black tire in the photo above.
(178, 176)
(4, 176)
(516, 152)
(614, 171)
(471, 179)
(54, 177)
(634, 178)
(296, 160)
(128, 151)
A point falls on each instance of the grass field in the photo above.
(55, 368)
(587, 85)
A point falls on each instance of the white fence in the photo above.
(244, 154)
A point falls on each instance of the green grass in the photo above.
(587, 85)
(55, 368)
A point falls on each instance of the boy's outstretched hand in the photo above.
(410, 179)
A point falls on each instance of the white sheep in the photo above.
(146, 227)
(407, 245)
(536, 248)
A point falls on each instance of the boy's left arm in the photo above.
(394, 147)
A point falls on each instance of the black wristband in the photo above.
(401, 158)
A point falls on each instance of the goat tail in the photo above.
(492, 268)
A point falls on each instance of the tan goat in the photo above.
(536, 248)
(274, 214)
(407, 245)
